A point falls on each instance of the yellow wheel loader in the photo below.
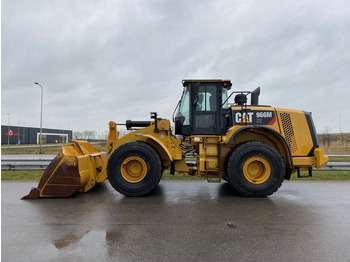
(253, 147)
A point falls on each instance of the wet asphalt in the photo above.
(179, 221)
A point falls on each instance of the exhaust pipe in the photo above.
(255, 96)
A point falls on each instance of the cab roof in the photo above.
(226, 83)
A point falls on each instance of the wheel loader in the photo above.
(253, 147)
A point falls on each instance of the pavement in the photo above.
(179, 221)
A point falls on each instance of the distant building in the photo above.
(30, 135)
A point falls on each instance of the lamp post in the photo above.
(41, 115)
(24, 124)
(8, 131)
(18, 139)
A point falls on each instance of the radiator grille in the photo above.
(288, 131)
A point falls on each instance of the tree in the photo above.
(123, 132)
(328, 136)
(77, 135)
(88, 134)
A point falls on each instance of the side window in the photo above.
(206, 99)
(224, 99)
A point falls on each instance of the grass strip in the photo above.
(339, 159)
(21, 175)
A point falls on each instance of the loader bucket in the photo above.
(77, 169)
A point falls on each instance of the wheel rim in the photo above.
(133, 169)
(256, 170)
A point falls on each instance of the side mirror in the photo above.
(179, 121)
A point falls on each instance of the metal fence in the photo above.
(25, 162)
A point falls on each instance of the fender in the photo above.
(167, 146)
(269, 129)
(161, 144)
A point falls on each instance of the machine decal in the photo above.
(255, 117)
(272, 121)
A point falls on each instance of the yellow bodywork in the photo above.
(318, 160)
(91, 162)
(78, 168)
(289, 134)
(160, 138)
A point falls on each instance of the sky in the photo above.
(116, 60)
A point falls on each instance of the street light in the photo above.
(41, 115)
(8, 131)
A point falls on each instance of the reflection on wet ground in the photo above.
(69, 239)
(179, 221)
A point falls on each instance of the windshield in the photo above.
(224, 98)
(184, 109)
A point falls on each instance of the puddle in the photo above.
(68, 240)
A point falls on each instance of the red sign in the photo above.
(10, 133)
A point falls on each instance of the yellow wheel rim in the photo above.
(256, 170)
(134, 169)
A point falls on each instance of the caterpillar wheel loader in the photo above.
(253, 147)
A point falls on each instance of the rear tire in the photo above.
(255, 169)
(134, 169)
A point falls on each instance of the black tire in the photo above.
(134, 169)
(255, 169)
(226, 165)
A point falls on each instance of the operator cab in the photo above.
(202, 108)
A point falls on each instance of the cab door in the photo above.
(205, 109)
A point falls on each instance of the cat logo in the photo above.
(244, 117)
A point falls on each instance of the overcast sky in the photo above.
(117, 60)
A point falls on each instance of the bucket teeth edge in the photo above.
(33, 194)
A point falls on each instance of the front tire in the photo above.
(134, 169)
(255, 169)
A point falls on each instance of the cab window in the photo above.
(206, 98)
